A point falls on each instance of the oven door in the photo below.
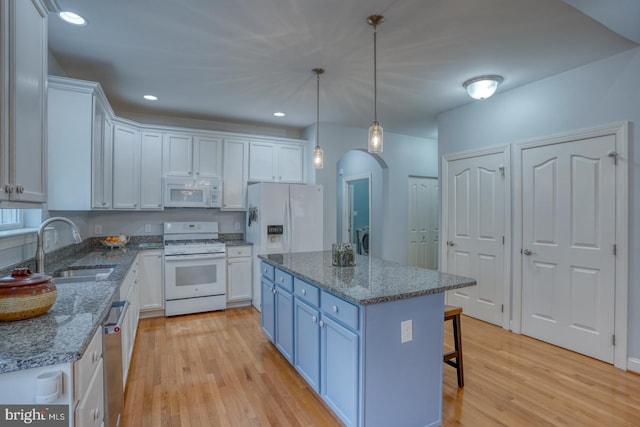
(191, 276)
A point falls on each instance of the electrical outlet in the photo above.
(97, 229)
(406, 331)
(147, 228)
(237, 226)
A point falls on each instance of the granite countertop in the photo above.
(370, 281)
(63, 333)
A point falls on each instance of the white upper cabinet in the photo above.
(192, 155)
(23, 73)
(235, 174)
(276, 162)
(102, 163)
(79, 146)
(150, 170)
(126, 167)
(207, 156)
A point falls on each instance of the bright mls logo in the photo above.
(34, 415)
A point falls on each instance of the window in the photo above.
(11, 219)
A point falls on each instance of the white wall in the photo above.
(600, 93)
(404, 156)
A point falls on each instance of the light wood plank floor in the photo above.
(218, 369)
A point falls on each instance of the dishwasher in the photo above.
(114, 392)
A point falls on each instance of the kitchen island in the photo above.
(368, 339)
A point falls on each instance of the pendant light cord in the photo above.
(375, 77)
(318, 111)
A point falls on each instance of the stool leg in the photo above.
(457, 338)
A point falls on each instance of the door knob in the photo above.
(450, 243)
(527, 252)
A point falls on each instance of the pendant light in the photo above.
(318, 155)
(375, 130)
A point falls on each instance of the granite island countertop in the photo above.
(370, 281)
(63, 333)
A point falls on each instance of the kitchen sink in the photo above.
(70, 275)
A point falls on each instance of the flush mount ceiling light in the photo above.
(482, 87)
(72, 18)
(318, 155)
(278, 114)
(375, 130)
(150, 97)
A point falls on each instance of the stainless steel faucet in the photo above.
(39, 248)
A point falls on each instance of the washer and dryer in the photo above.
(363, 240)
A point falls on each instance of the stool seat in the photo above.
(453, 313)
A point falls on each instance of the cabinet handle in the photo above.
(303, 292)
(321, 324)
(20, 189)
(8, 188)
(190, 173)
(273, 291)
(314, 319)
(197, 173)
(95, 414)
(95, 357)
(104, 203)
(281, 279)
(334, 308)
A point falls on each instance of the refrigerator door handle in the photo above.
(286, 240)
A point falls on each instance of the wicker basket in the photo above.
(24, 295)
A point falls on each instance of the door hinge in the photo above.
(502, 308)
(615, 250)
(613, 155)
(613, 339)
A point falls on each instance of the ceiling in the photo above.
(241, 60)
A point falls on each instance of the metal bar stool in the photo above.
(453, 313)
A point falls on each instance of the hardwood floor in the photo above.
(218, 369)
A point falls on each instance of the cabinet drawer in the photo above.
(285, 280)
(267, 270)
(339, 309)
(84, 368)
(238, 251)
(306, 292)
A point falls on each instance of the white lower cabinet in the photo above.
(88, 380)
(90, 410)
(129, 292)
(239, 287)
(150, 277)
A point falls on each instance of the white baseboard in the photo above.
(633, 365)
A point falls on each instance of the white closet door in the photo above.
(475, 235)
(568, 235)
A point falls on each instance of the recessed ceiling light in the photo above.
(72, 18)
(151, 97)
(278, 114)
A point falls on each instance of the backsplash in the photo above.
(94, 244)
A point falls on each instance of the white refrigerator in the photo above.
(282, 218)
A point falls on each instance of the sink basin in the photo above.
(82, 274)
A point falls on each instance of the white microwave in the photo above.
(183, 192)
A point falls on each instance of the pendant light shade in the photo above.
(318, 155)
(375, 130)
